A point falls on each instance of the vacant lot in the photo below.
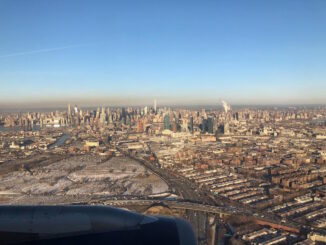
(82, 175)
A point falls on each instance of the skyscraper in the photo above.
(69, 110)
(167, 123)
(210, 125)
(145, 110)
(98, 112)
(123, 116)
(226, 128)
(103, 117)
(155, 105)
(191, 124)
(76, 110)
(140, 126)
(69, 113)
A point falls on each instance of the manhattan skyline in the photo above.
(182, 53)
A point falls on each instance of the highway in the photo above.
(171, 204)
(183, 188)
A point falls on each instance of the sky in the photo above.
(178, 51)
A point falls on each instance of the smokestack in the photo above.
(226, 106)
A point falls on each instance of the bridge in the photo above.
(172, 204)
(84, 199)
(217, 210)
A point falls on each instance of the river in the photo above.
(62, 139)
(17, 128)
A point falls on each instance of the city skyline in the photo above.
(187, 52)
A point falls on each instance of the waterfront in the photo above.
(60, 141)
(19, 128)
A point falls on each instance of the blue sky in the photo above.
(187, 52)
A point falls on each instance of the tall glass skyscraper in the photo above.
(167, 122)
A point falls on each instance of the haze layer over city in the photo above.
(209, 111)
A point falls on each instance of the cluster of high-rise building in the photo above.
(146, 119)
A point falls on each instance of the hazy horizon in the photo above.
(138, 102)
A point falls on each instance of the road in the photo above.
(171, 204)
(183, 188)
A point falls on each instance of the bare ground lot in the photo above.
(79, 176)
